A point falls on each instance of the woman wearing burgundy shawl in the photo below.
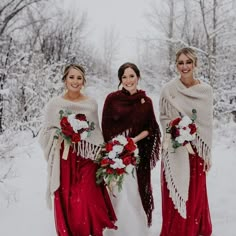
(130, 112)
(185, 209)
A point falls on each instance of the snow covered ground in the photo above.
(24, 212)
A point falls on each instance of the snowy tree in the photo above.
(109, 52)
(34, 51)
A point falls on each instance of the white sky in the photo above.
(125, 16)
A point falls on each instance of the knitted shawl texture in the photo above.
(175, 98)
(131, 114)
(51, 146)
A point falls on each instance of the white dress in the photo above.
(132, 220)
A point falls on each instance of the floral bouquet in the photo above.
(183, 130)
(74, 128)
(116, 158)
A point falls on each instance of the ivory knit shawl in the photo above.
(51, 146)
(175, 98)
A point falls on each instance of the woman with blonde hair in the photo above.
(185, 209)
(81, 207)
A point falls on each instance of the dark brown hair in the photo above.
(76, 67)
(124, 66)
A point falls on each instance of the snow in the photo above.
(26, 213)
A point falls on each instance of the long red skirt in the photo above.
(81, 207)
(198, 221)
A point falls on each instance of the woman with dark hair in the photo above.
(185, 209)
(81, 206)
(129, 112)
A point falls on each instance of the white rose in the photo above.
(77, 124)
(112, 154)
(118, 149)
(185, 121)
(118, 164)
(180, 139)
(121, 139)
(136, 151)
(184, 135)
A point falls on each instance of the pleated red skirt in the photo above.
(81, 207)
(198, 221)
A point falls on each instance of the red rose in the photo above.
(120, 171)
(80, 117)
(127, 160)
(133, 160)
(174, 132)
(116, 142)
(109, 147)
(110, 171)
(66, 127)
(193, 128)
(175, 121)
(130, 146)
(75, 138)
(106, 162)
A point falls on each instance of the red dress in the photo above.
(198, 221)
(81, 207)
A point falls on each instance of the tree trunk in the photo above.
(170, 36)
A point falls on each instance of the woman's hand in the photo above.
(207, 165)
(140, 136)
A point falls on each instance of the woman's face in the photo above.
(129, 80)
(74, 80)
(185, 66)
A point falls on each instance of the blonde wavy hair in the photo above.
(188, 52)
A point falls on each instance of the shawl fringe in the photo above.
(87, 150)
(179, 202)
(202, 148)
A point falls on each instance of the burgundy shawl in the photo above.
(123, 112)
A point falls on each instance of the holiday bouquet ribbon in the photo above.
(116, 158)
(73, 129)
(182, 131)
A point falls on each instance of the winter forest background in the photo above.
(37, 39)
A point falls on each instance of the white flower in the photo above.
(184, 122)
(118, 149)
(180, 139)
(185, 135)
(118, 164)
(121, 139)
(112, 154)
(77, 124)
(136, 151)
